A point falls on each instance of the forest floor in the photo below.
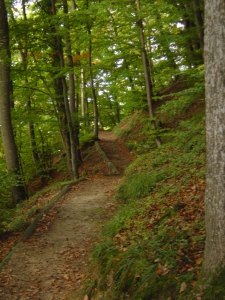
(53, 263)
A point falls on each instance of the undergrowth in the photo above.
(152, 248)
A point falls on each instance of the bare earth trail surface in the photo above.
(52, 264)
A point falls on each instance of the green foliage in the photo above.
(117, 69)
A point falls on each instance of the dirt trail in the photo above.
(53, 265)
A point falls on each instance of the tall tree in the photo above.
(147, 76)
(215, 134)
(93, 90)
(73, 97)
(61, 90)
(12, 160)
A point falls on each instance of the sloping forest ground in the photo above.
(152, 247)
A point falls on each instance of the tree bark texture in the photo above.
(10, 149)
(215, 134)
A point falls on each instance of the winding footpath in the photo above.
(54, 265)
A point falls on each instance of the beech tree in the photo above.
(11, 155)
(215, 134)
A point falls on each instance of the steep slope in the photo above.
(152, 249)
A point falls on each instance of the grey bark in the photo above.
(215, 134)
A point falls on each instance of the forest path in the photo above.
(52, 264)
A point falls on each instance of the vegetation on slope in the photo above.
(153, 247)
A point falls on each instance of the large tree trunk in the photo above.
(215, 134)
(12, 160)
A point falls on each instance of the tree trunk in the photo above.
(117, 112)
(215, 134)
(94, 98)
(148, 85)
(11, 155)
(199, 22)
(82, 95)
(93, 92)
(73, 99)
(59, 85)
(73, 147)
(33, 143)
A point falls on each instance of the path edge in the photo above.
(30, 230)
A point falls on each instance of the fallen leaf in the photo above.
(116, 259)
(183, 287)
(199, 260)
(162, 270)
(193, 283)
